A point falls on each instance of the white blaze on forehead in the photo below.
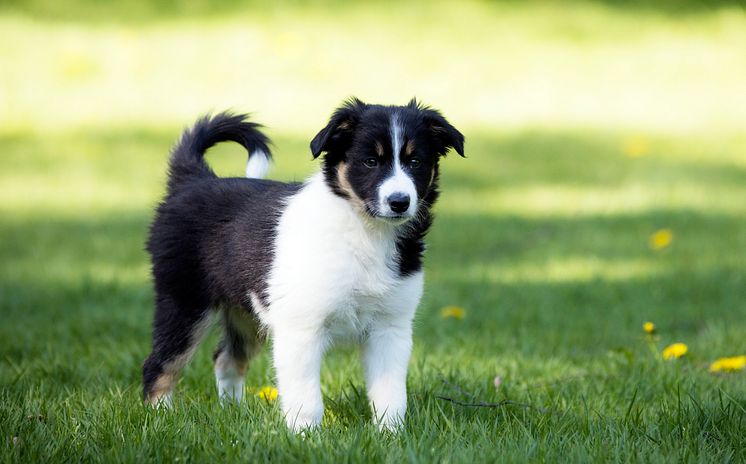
(399, 181)
(396, 137)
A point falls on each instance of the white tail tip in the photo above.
(258, 165)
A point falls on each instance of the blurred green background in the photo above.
(590, 126)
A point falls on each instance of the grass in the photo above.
(541, 236)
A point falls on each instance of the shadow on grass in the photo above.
(673, 7)
(96, 270)
(583, 159)
(576, 158)
(116, 241)
(468, 240)
(150, 10)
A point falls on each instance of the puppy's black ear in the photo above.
(445, 135)
(338, 133)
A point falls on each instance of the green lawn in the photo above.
(542, 232)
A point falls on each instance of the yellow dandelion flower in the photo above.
(660, 239)
(648, 327)
(452, 311)
(636, 146)
(732, 364)
(267, 393)
(675, 351)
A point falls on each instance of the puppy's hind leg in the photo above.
(177, 330)
(240, 341)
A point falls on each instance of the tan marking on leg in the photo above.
(164, 385)
(162, 389)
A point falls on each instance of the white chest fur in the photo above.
(334, 275)
(332, 269)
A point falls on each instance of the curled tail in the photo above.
(187, 159)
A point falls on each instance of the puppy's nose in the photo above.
(398, 202)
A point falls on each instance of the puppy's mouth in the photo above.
(389, 218)
(394, 219)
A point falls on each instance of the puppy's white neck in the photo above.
(353, 257)
(332, 207)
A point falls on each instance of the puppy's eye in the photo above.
(414, 162)
(370, 162)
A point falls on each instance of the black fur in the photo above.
(187, 162)
(211, 239)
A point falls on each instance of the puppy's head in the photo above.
(384, 159)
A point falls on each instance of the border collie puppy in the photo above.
(337, 256)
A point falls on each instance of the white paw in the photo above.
(230, 390)
(300, 420)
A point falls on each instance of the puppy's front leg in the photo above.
(297, 358)
(386, 353)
